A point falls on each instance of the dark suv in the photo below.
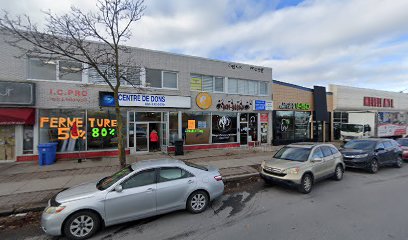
(370, 154)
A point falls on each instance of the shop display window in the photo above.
(173, 127)
(196, 128)
(57, 125)
(28, 139)
(102, 130)
(224, 127)
(302, 125)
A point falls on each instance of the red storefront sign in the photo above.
(264, 117)
(378, 102)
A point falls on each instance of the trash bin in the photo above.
(179, 144)
(47, 153)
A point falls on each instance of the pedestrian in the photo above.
(154, 140)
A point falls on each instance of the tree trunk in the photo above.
(121, 142)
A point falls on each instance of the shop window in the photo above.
(42, 70)
(169, 80)
(253, 126)
(173, 127)
(302, 125)
(196, 128)
(102, 130)
(284, 125)
(224, 127)
(70, 71)
(47, 70)
(147, 116)
(28, 140)
(218, 84)
(132, 75)
(161, 79)
(54, 128)
(263, 88)
(246, 87)
(206, 83)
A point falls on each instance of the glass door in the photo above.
(142, 137)
(164, 132)
(243, 133)
(7, 143)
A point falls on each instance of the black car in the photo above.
(370, 154)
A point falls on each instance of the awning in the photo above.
(17, 116)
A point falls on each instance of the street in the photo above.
(361, 206)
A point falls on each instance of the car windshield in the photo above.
(403, 142)
(293, 154)
(106, 182)
(356, 128)
(360, 144)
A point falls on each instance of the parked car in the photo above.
(137, 191)
(370, 154)
(303, 164)
(403, 142)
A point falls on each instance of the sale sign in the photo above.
(74, 128)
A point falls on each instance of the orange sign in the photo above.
(204, 100)
(191, 124)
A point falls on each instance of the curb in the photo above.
(235, 178)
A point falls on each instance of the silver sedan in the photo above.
(141, 190)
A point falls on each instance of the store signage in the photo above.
(196, 83)
(295, 106)
(233, 106)
(264, 117)
(17, 93)
(191, 124)
(204, 100)
(106, 99)
(74, 128)
(262, 105)
(378, 102)
(68, 95)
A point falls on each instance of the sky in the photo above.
(362, 43)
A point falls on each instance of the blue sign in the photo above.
(262, 105)
(106, 99)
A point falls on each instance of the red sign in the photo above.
(264, 117)
(378, 102)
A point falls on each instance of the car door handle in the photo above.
(150, 190)
(190, 181)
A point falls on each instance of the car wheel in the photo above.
(197, 202)
(373, 168)
(398, 163)
(338, 173)
(306, 184)
(81, 225)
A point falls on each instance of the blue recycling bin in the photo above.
(47, 153)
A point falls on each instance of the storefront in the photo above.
(167, 97)
(301, 114)
(369, 112)
(16, 119)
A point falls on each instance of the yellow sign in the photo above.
(196, 84)
(191, 124)
(204, 100)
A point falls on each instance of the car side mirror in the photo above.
(118, 188)
(316, 160)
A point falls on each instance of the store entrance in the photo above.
(7, 142)
(147, 137)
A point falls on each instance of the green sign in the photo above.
(295, 106)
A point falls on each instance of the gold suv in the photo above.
(303, 164)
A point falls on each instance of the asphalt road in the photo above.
(361, 206)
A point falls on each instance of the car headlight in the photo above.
(53, 210)
(263, 164)
(294, 170)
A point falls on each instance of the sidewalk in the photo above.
(27, 186)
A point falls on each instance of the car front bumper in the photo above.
(362, 163)
(51, 224)
(289, 179)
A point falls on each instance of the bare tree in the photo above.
(94, 39)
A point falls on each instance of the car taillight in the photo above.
(218, 178)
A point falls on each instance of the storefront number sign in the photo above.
(73, 128)
(295, 106)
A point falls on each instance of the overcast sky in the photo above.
(350, 42)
